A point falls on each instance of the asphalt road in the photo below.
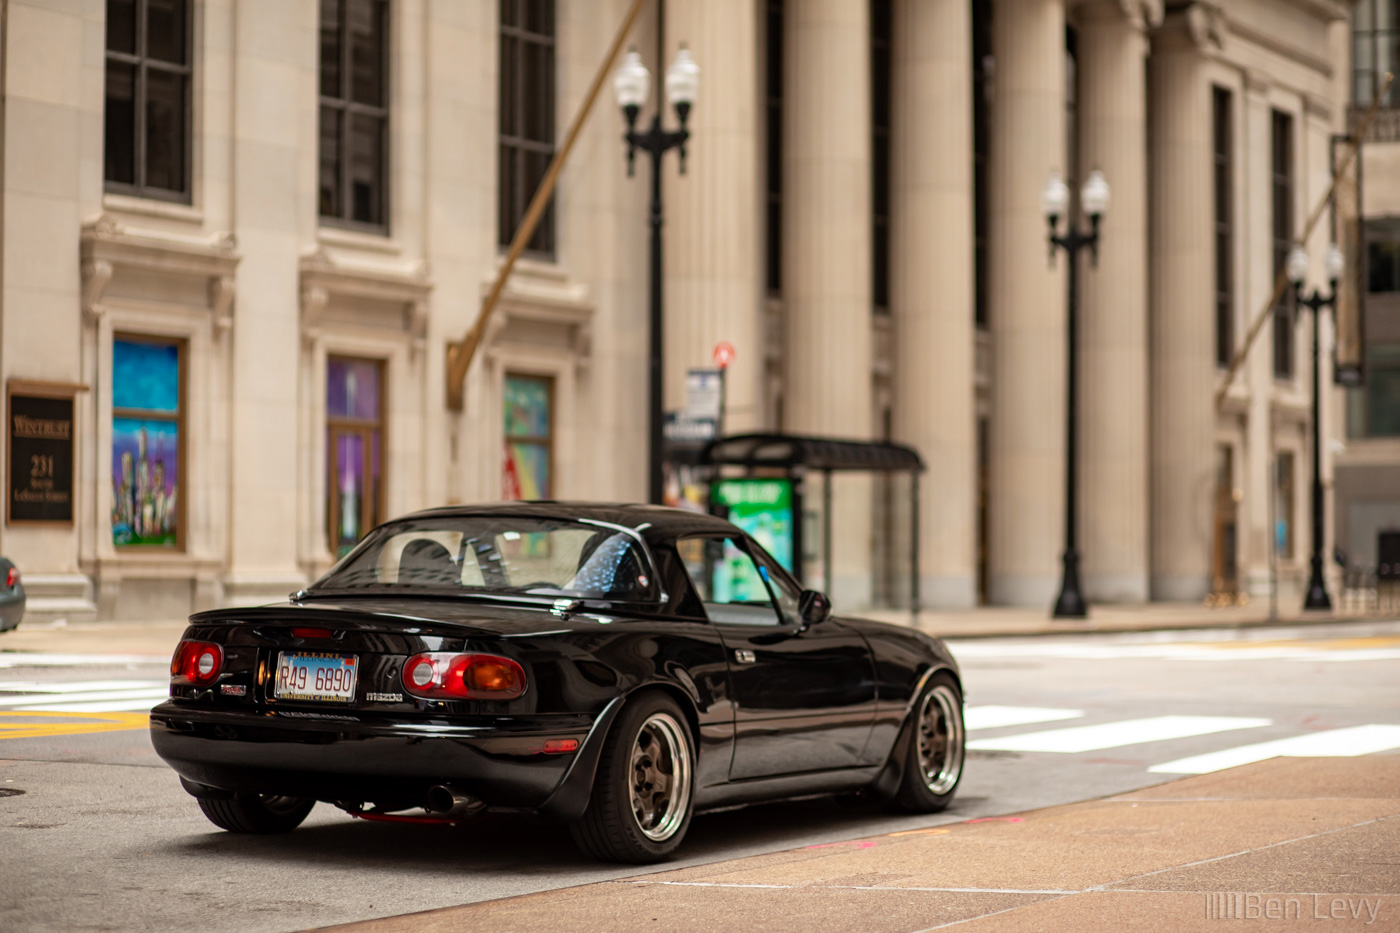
(97, 834)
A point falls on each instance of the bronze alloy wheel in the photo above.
(941, 739)
(660, 777)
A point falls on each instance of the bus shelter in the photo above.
(759, 481)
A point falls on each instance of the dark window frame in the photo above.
(372, 497)
(518, 111)
(348, 109)
(881, 150)
(1281, 183)
(1223, 144)
(773, 167)
(143, 63)
(177, 418)
(545, 440)
(1366, 35)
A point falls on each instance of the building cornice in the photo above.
(1265, 41)
(106, 245)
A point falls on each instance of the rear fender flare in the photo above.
(570, 798)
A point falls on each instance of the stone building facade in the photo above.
(238, 235)
(1367, 461)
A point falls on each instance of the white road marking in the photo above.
(77, 686)
(1115, 734)
(41, 659)
(71, 700)
(141, 704)
(1339, 743)
(994, 717)
(1227, 651)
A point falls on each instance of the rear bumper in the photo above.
(384, 761)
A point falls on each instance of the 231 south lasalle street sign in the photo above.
(41, 458)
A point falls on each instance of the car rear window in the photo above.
(489, 554)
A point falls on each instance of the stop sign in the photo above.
(723, 354)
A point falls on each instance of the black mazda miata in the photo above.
(616, 667)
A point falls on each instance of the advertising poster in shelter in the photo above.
(763, 509)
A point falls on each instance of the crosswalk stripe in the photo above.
(33, 701)
(141, 704)
(1175, 652)
(995, 717)
(77, 686)
(1115, 734)
(46, 659)
(1339, 743)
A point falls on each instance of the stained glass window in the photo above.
(528, 423)
(146, 442)
(354, 455)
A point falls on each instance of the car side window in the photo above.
(780, 584)
(730, 585)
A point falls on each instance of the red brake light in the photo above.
(11, 577)
(304, 631)
(439, 675)
(196, 662)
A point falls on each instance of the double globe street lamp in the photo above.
(1317, 597)
(1093, 202)
(631, 85)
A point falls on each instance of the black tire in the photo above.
(644, 791)
(936, 752)
(257, 813)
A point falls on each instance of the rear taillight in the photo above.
(11, 578)
(196, 662)
(438, 675)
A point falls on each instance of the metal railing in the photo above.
(1371, 589)
(1384, 129)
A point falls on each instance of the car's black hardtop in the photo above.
(657, 524)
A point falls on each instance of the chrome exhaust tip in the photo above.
(446, 800)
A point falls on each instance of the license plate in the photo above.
(323, 677)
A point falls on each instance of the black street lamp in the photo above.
(1317, 597)
(1093, 201)
(631, 85)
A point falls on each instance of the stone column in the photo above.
(714, 237)
(1256, 379)
(932, 285)
(826, 256)
(1026, 307)
(274, 206)
(1113, 302)
(1183, 370)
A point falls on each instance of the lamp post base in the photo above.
(1317, 597)
(1070, 603)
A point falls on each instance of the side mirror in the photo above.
(814, 607)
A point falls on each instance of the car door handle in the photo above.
(744, 656)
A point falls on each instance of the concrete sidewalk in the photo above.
(1298, 843)
(158, 638)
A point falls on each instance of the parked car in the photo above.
(12, 597)
(616, 667)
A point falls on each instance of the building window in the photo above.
(1383, 258)
(527, 117)
(1283, 505)
(354, 449)
(147, 442)
(1375, 36)
(1223, 116)
(982, 66)
(529, 404)
(881, 79)
(773, 175)
(1382, 389)
(1282, 189)
(354, 156)
(146, 121)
